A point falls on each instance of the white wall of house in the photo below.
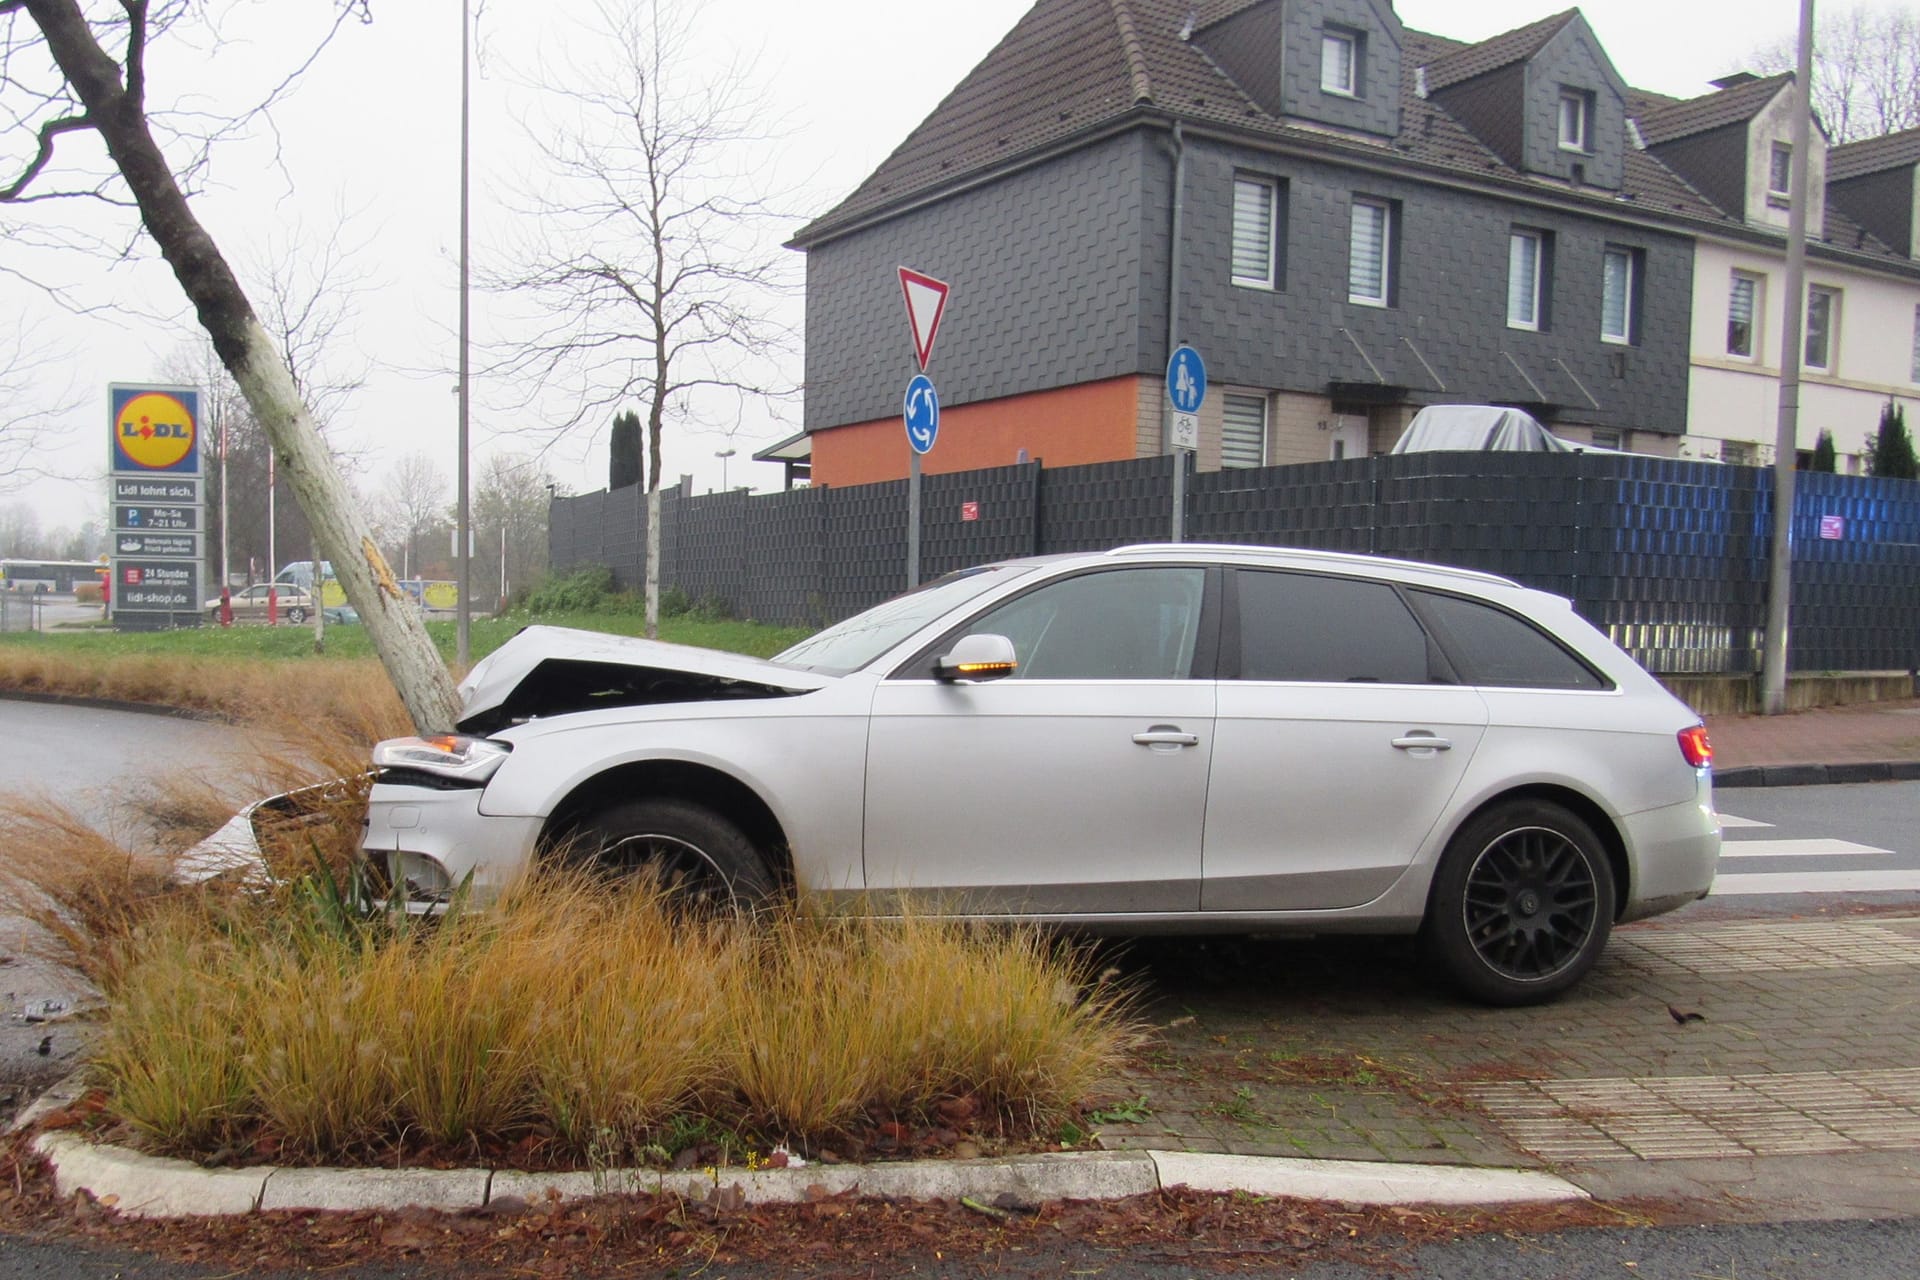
(1734, 400)
(1774, 124)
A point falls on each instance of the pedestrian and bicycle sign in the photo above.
(1186, 392)
(921, 411)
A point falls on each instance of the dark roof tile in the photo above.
(1471, 60)
(1072, 67)
(1674, 120)
(1873, 155)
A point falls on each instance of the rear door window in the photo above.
(1311, 627)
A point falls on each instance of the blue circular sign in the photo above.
(1186, 380)
(922, 413)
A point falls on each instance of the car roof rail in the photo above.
(1352, 559)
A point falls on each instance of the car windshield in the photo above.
(850, 645)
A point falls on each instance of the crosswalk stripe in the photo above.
(1815, 882)
(1731, 823)
(1799, 849)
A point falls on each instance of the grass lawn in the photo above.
(294, 642)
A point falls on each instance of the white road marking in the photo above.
(1799, 849)
(1816, 882)
(1731, 823)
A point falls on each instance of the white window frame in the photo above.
(1756, 301)
(1625, 335)
(1249, 184)
(1245, 399)
(1333, 41)
(1384, 210)
(1778, 151)
(1916, 344)
(1580, 138)
(1830, 334)
(1524, 309)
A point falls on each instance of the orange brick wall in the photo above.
(1089, 422)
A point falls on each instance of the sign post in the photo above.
(926, 300)
(1186, 392)
(159, 499)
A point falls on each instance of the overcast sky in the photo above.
(373, 130)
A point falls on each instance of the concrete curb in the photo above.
(144, 1186)
(1815, 775)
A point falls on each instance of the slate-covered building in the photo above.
(1346, 217)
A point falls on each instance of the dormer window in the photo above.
(1780, 171)
(1576, 120)
(1340, 62)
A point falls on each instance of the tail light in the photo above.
(1695, 747)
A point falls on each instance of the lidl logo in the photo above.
(154, 431)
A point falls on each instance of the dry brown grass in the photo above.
(339, 699)
(595, 1018)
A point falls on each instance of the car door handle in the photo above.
(1166, 735)
(1422, 742)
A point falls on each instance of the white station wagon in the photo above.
(1168, 737)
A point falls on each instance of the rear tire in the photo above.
(1521, 905)
(701, 860)
(296, 614)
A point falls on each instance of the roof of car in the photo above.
(1307, 557)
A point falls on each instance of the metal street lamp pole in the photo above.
(1786, 446)
(723, 455)
(463, 559)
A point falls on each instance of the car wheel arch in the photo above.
(700, 784)
(1580, 806)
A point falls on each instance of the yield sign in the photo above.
(926, 301)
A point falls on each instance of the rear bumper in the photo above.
(1675, 852)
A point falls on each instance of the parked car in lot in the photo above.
(250, 604)
(341, 615)
(1165, 737)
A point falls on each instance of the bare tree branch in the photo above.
(1866, 70)
(109, 91)
(645, 266)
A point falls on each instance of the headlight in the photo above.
(449, 755)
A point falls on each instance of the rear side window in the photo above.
(1492, 647)
(1300, 626)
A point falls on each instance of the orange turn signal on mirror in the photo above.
(983, 668)
(1695, 747)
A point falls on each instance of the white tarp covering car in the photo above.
(1478, 427)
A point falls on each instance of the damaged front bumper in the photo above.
(424, 843)
(238, 849)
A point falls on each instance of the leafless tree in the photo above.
(645, 258)
(29, 404)
(416, 493)
(510, 515)
(70, 70)
(1866, 70)
(20, 531)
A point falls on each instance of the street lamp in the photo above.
(723, 455)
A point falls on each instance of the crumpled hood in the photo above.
(555, 670)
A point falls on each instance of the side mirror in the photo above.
(976, 657)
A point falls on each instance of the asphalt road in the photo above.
(1783, 1251)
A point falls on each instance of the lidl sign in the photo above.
(155, 429)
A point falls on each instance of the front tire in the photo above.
(296, 614)
(701, 860)
(1521, 905)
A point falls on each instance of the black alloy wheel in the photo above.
(701, 861)
(1522, 904)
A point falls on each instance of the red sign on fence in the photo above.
(969, 511)
(1833, 528)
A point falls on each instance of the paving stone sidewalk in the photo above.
(1807, 1041)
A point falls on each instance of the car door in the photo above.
(1337, 743)
(1076, 785)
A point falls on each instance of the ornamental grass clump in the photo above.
(575, 1024)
